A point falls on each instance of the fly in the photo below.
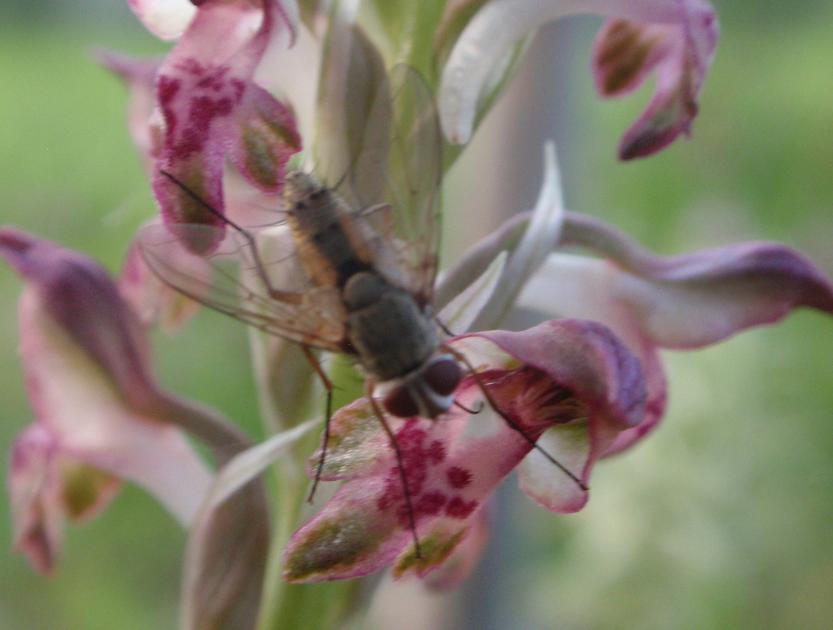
(359, 277)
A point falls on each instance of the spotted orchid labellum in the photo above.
(549, 329)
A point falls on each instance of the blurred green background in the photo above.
(721, 520)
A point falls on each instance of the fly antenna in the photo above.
(473, 412)
(510, 422)
(328, 386)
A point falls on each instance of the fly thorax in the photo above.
(364, 289)
(392, 335)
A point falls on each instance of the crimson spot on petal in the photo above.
(458, 477)
(458, 508)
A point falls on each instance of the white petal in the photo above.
(540, 237)
(459, 314)
(167, 19)
(543, 482)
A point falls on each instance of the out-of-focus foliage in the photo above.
(722, 519)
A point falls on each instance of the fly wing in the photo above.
(253, 276)
(393, 175)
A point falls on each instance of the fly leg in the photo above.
(399, 464)
(509, 421)
(290, 297)
(328, 386)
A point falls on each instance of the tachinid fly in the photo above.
(350, 268)
(357, 274)
(356, 262)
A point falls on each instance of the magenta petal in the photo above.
(625, 52)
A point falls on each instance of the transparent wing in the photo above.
(394, 174)
(253, 276)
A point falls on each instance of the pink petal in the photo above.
(97, 404)
(586, 359)
(365, 526)
(210, 107)
(465, 555)
(84, 303)
(46, 488)
(356, 439)
(140, 77)
(84, 408)
(263, 139)
(153, 301)
(697, 299)
(680, 52)
(35, 498)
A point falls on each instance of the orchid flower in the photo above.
(675, 38)
(568, 386)
(211, 109)
(653, 302)
(100, 416)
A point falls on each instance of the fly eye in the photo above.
(443, 376)
(399, 403)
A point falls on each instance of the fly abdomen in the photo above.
(330, 248)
